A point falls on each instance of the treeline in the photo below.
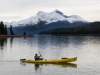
(3, 29)
(90, 28)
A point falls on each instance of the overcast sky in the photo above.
(15, 10)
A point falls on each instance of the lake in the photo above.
(85, 48)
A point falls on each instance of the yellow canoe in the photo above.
(61, 60)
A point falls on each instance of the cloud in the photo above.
(9, 18)
(27, 8)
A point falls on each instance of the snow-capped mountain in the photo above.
(48, 18)
(45, 21)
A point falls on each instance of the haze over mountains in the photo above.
(45, 21)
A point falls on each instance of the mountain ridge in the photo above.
(45, 21)
(54, 16)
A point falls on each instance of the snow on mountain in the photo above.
(75, 18)
(58, 16)
(51, 17)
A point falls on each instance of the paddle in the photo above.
(40, 54)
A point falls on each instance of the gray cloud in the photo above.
(9, 18)
(27, 8)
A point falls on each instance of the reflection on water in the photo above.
(39, 66)
(42, 67)
(71, 65)
(11, 41)
(3, 42)
(61, 45)
(59, 40)
(63, 41)
(86, 48)
(36, 67)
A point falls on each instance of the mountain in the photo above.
(45, 21)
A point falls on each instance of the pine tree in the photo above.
(11, 31)
(24, 33)
(1, 27)
(5, 30)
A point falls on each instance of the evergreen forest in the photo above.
(3, 29)
(89, 28)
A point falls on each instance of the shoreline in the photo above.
(17, 35)
(77, 34)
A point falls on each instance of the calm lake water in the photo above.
(86, 48)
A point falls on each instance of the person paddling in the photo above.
(36, 57)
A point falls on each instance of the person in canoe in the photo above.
(36, 57)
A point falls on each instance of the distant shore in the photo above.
(77, 34)
(17, 35)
